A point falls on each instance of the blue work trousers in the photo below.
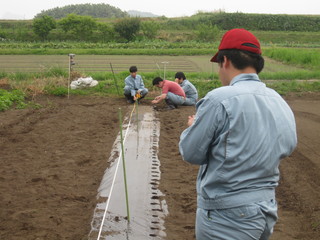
(190, 102)
(174, 99)
(249, 222)
(127, 91)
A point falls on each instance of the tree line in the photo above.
(78, 28)
(199, 27)
(86, 28)
(254, 22)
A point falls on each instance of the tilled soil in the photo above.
(299, 191)
(52, 160)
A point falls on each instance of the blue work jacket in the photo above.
(190, 90)
(238, 137)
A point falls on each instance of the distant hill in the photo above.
(134, 13)
(94, 10)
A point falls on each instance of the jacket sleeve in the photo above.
(185, 87)
(195, 141)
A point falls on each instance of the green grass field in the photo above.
(286, 69)
(121, 63)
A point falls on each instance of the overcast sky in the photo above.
(27, 9)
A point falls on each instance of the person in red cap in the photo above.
(238, 135)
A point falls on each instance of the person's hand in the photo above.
(137, 95)
(190, 120)
(155, 100)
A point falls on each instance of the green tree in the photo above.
(106, 32)
(81, 26)
(43, 25)
(205, 32)
(150, 29)
(128, 28)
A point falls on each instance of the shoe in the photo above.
(171, 107)
(129, 99)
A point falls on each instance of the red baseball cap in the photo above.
(238, 39)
